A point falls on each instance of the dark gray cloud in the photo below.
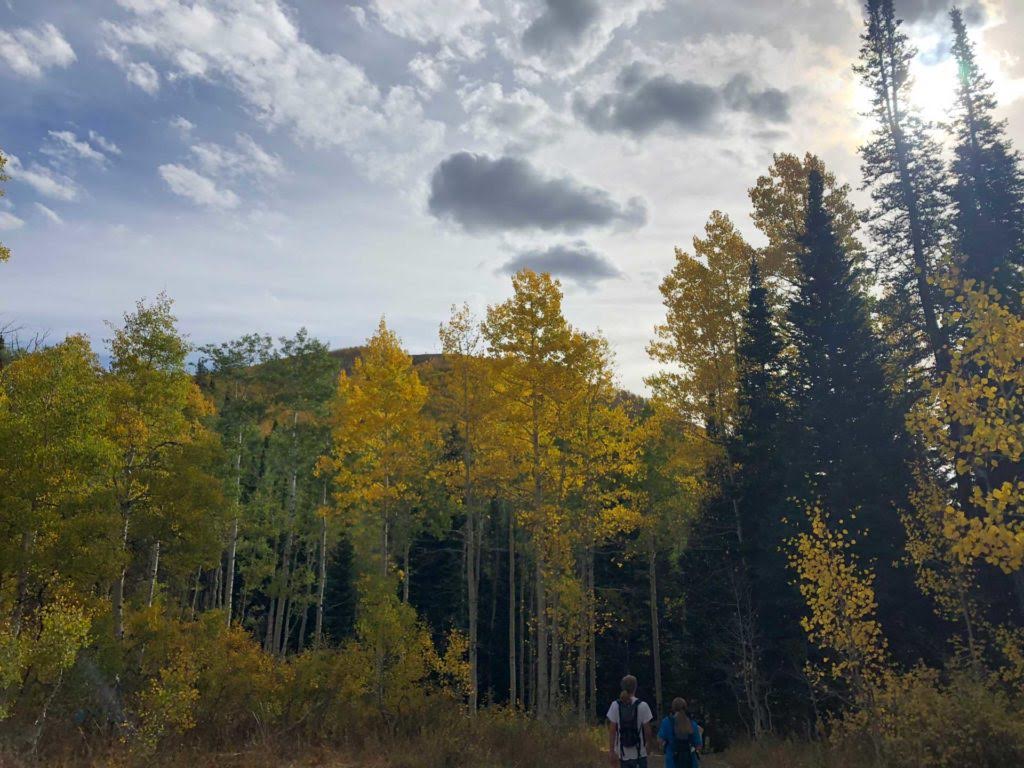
(563, 22)
(932, 10)
(482, 193)
(574, 261)
(645, 103)
(769, 104)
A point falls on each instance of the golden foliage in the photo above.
(973, 418)
(841, 605)
(704, 296)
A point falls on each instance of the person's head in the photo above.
(683, 726)
(628, 689)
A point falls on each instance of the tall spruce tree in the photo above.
(902, 167)
(758, 449)
(987, 185)
(848, 444)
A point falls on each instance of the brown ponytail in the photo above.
(683, 726)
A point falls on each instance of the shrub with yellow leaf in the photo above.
(973, 418)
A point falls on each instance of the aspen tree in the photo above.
(531, 336)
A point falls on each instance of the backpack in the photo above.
(683, 751)
(630, 730)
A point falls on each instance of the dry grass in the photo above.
(770, 754)
(494, 739)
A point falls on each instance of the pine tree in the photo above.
(902, 167)
(758, 362)
(847, 444)
(758, 449)
(988, 186)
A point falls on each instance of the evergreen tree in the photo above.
(903, 169)
(848, 443)
(758, 362)
(763, 505)
(987, 186)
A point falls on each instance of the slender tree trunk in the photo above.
(652, 579)
(217, 587)
(268, 638)
(581, 678)
(530, 659)
(154, 567)
(119, 583)
(541, 652)
(522, 671)
(290, 615)
(229, 573)
(306, 604)
(555, 680)
(384, 543)
(322, 585)
(513, 692)
(495, 534)
(289, 625)
(592, 633)
(472, 597)
(195, 595)
(279, 618)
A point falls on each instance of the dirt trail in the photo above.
(708, 761)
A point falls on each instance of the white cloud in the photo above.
(50, 214)
(256, 48)
(456, 23)
(196, 187)
(143, 75)
(138, 73)
(429, 70)
(103, 143)
(218, 167)
(43, 180)
(65, 146)
(250, 159)
(182, 125)
(9, 221)
(515, 119)
(29, 51)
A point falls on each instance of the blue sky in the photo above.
(274, 164)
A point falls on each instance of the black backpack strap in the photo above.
(641, 731)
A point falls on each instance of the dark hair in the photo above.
(628, 689)
(683, 727)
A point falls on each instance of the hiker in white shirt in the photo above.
(629, 728)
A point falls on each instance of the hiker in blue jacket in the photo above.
(680, 737)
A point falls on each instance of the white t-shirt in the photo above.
(644, 715)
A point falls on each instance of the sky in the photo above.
(274, 164)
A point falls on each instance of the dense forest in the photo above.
(811, 527)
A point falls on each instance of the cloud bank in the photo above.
(645, 103)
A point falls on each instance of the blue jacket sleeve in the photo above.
(665, 730)
(696, 738)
